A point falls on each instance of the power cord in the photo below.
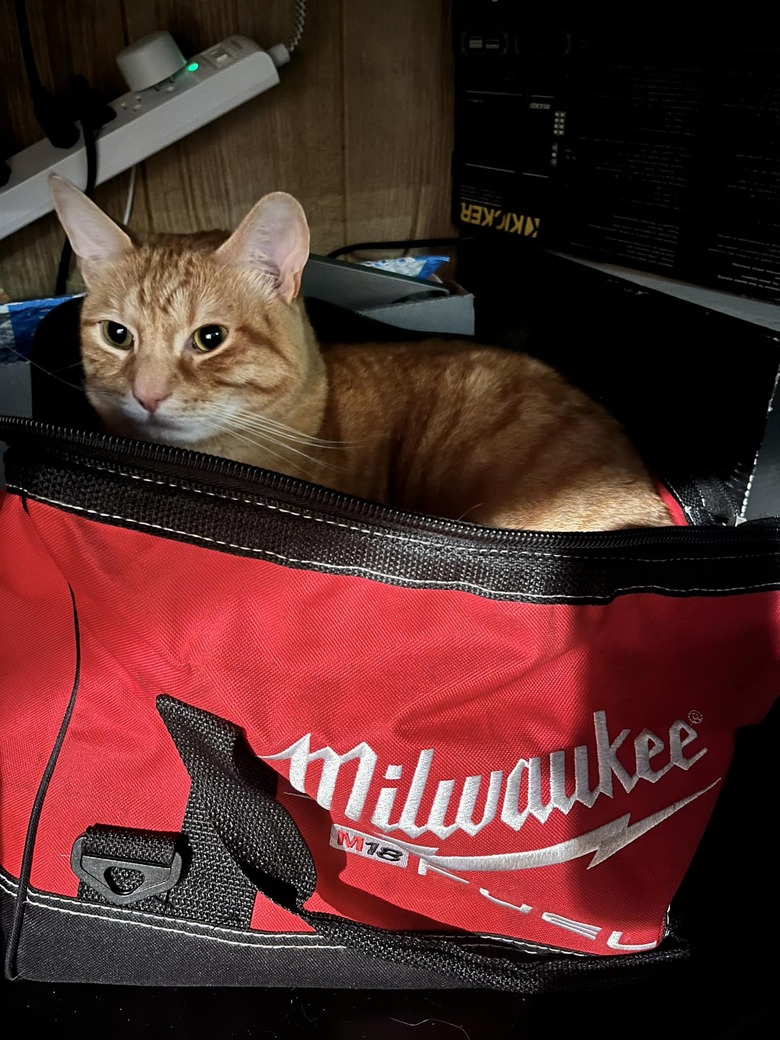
(60, 119)
(51, 113)
(90, 147)
(92, 113)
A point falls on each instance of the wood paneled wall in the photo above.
(359, 129)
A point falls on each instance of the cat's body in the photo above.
(203, 342)
(406, 415)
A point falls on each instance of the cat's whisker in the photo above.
(263, 424)
(264, 437)
(281, 435)
(248, 440)
(262, 442)
(53, 373)
(321, 441)
(465, 513)
(314, 441)
(256, 424)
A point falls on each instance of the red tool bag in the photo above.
(254, 732)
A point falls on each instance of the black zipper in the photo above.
(89, 449)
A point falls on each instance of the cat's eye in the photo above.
(116, 334)
(209, 337)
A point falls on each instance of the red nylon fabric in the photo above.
(496, 721)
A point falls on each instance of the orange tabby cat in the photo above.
(202, 341)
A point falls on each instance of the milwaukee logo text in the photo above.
(534, 787)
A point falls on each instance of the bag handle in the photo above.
(238, 790)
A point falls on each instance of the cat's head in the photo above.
(183, 337)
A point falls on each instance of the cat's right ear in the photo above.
(273, 238)
(95, 238)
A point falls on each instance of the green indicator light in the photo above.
(192, 67)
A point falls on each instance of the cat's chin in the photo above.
(178, 433)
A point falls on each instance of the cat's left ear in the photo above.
(95, 238)
(274, 238)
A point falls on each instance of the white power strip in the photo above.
(212, 83)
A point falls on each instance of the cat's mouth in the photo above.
(170, 427)
(159, 426)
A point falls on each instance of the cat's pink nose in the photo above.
(151, 401)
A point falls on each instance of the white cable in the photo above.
(130, 196)
(300, 18)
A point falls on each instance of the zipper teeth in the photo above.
(200, 467)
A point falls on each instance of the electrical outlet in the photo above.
(210, 84)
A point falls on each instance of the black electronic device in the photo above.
(638, 142)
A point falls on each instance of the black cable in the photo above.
(23, 28)
(56, 117)
(407, 243)
(51, 113)
(90, 147)
(93, 113)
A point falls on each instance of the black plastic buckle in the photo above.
(93, 870)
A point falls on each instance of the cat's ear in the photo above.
(273, 237)
(95, 238)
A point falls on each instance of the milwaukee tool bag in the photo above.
(254, 732)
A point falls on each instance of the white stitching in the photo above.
(460, 549)
(460, 584)
(378, 533)
(312, 942)
(690, 511)
(196, 929)
(293, 512)
(46, 898)
(49, 900)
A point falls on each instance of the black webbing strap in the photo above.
(238, 791)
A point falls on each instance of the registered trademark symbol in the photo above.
(695, 717)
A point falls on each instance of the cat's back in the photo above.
(477, 381)
(488, 433)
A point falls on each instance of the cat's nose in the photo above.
(150, 400)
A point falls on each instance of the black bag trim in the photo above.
(239, 791)
(200, 929)
(12, 945)
(104, 911)
(65, 940)
(147, 914)
(243, 511)
(250, 958)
